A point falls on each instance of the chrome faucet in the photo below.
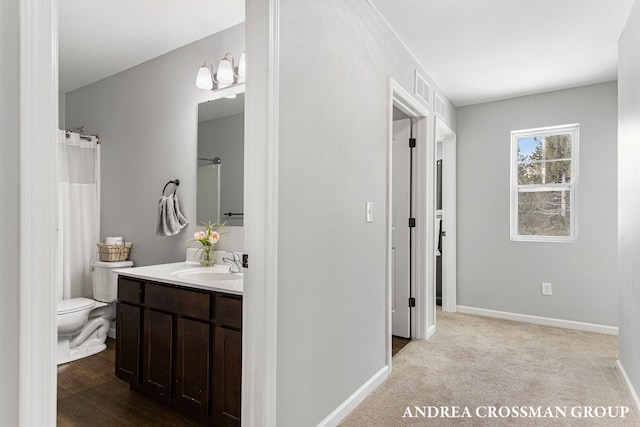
(235, 264)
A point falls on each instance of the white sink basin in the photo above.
(205, 274)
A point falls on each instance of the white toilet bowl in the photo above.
(83, 323)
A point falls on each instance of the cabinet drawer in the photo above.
(229, 311)
(129, 290)
(180, 301)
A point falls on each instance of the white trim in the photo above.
(338, 414)
(547, 321)
(259, 337)
(572, 187)
(425, 154)
(449, 211)
(430, 331)
(38, 213)
(425, 252)
(439, 106)
(627, 381)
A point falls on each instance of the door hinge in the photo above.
(412, 302)
(245, 260)
(412, 222)
(412, 143)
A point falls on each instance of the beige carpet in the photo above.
(478, 363)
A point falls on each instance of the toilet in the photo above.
(83, 323)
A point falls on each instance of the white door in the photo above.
(400, 254)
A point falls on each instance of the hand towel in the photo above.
(170, 219)
(182, 221)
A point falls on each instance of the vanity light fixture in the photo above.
(204, 79)
(227, 74)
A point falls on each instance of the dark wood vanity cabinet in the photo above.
(183, 347)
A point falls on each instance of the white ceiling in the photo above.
(100, 38)
(485, 50)
(475, 50)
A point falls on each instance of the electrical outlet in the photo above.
(546, 289)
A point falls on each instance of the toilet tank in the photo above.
(104, 281)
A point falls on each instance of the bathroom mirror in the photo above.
(221, 160)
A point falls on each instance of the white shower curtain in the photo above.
(78, 213)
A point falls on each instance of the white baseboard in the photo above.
(338, 414)
(430, 331)
(548, 321)
(632, 390)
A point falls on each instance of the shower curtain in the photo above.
(78, 213)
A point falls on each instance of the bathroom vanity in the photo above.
(179, 339)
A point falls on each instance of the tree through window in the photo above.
(543, 183)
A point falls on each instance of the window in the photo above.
(544, 178)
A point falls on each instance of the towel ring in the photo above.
(175, 183)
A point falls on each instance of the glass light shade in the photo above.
(225, 72)
(203, 79)
(242, 68)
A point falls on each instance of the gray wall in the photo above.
(224, 138)
(498, 274)
(335, 60)
(9, 209)
(628, 200)
(146, 118)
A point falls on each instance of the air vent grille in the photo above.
(422, 88)
(440, 106)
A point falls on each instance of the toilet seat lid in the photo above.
(74, 304)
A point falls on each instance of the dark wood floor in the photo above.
(398, 344)
(89, 394)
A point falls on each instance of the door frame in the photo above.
(422, 319)
(449, 281)
(37, 374)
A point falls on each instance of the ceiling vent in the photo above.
(440, 107)
(422, 88)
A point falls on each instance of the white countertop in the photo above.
(169, 273)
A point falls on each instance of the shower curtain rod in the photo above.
(87, 137)
(215, 160)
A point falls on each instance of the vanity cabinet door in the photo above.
(193, 362)
(227, 378)
(128, 342)
(156, 353)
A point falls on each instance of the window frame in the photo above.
(515, 188)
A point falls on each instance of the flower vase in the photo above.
(207, 260)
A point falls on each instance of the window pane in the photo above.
(557, 172)
(544, 213)
(529, 173)
(557, 147)
(528, 147)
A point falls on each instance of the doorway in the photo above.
(409, 219)
(445, 217)
(403, 145)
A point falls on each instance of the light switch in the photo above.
(369, 211)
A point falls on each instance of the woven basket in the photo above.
(112, 253)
